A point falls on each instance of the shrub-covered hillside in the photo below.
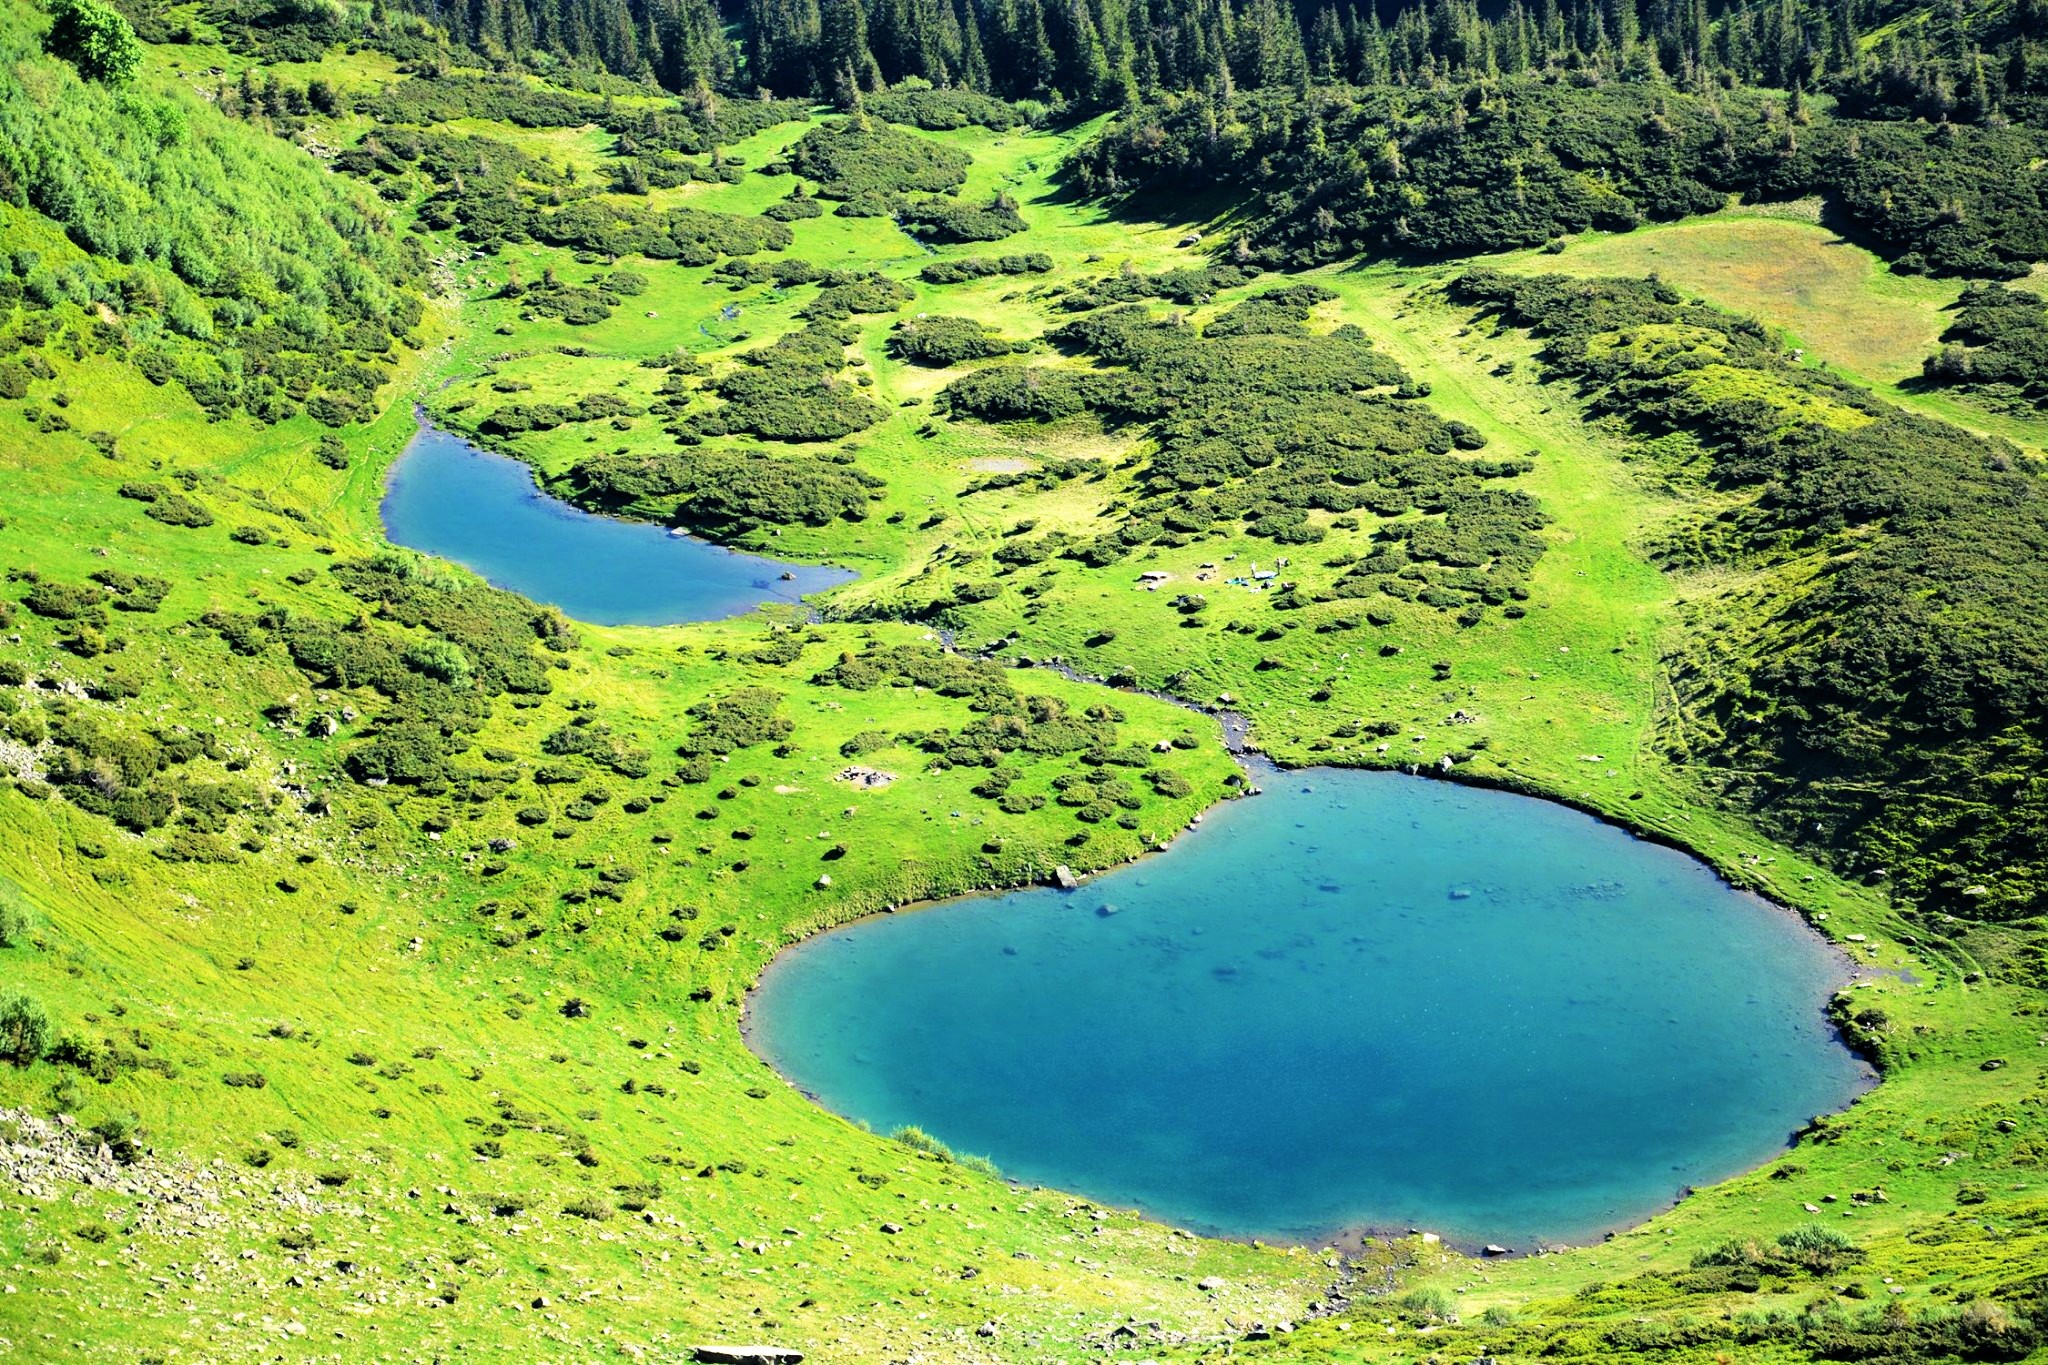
(1885, 702)
(230, 264)
(1463, 169)
(375, 942)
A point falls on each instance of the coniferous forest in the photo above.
(1952, 64)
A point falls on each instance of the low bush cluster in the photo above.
(948, 220)
(789, 390)
(943, 110)
(942, 340)
(863, 155)
(1009, 728)
(967, 268)
(1997, 348)
(455, 645)
(492, 193)
(1258, 421)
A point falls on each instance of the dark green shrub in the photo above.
(24, 1028)
(96, 38)
(948, 220)
(15, 924)
(942, 340)
(122, 1134)
(175, 509)
(133, 592)
(943, 110)
(842, 297)
(65, 601)
(866, 156)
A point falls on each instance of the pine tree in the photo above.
(973, 61)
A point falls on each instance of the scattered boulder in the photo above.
(1064, 878)
(747, 1355)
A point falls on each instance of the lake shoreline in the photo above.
(1236, 727)
(500, 522)
(1352, 1239)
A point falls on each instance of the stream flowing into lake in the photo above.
(1361, 1000)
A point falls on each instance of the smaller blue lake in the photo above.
(449, 498)
(1362, 1000)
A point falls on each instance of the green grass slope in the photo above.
(449, 1060)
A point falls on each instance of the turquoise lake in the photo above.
(1359, 1001)
(450, 498)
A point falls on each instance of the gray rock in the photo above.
(747, 1355)
(1063, 877)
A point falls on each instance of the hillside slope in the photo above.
(391, 932)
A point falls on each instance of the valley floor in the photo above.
(404, 1064)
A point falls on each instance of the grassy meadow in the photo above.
(1841, 305)
(461, 1073)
